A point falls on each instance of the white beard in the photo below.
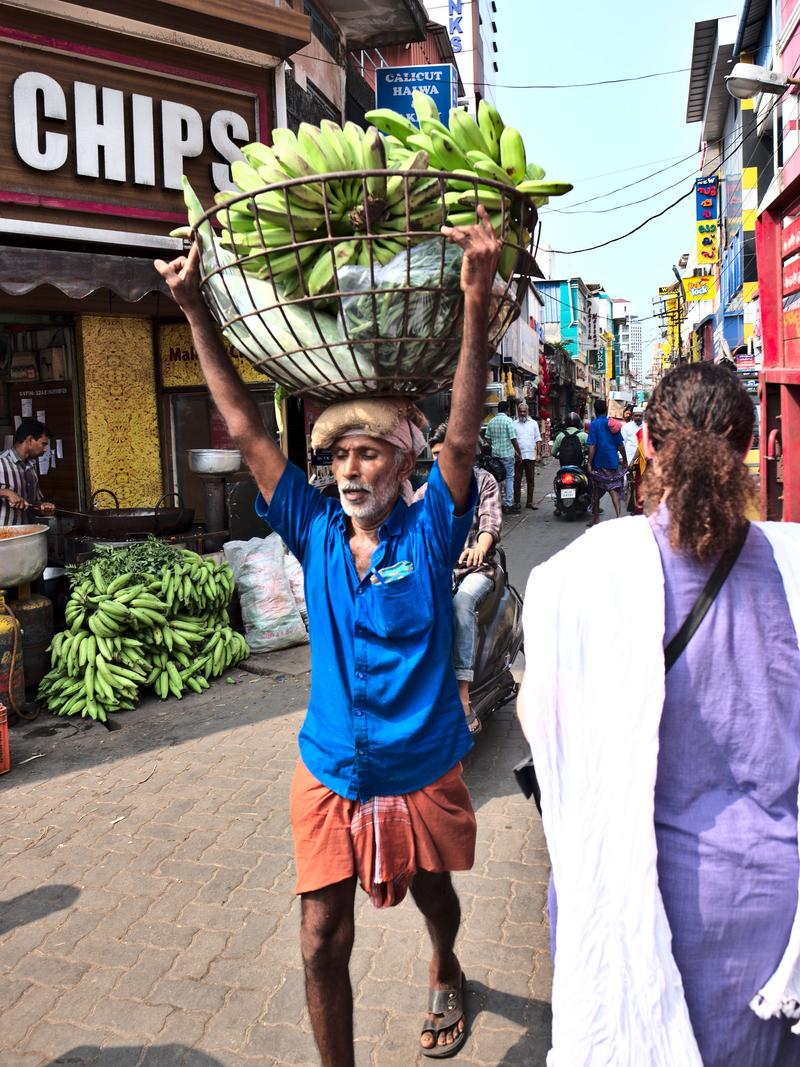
(376, 504)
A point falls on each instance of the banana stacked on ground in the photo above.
(470, 149)
(272, 228)
(170, 631)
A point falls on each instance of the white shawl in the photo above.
(617, 994)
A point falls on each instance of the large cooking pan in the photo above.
(118, 523)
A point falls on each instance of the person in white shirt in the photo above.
(529, 439)
(629, 439)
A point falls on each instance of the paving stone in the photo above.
(153, 964)
(229, 1027)
(219, 887)
(128, 1016)
(162, 935)
(50, 970)
(287, 1044)
(253, 934)
(26, 1013)
(106, 952)
(286, 1005)
(188, 995)
(79, 1001)
(20, 943)
(52, 1039)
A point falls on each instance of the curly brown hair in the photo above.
(700, 421)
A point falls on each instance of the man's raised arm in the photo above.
(481, 256)
(232, 398)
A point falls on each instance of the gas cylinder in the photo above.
(12, 677)
(35, 617)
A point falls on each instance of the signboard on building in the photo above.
(459, 25)
(92, 139)
(702, 287)
(394, 87)
(520, 348)
(707, 216)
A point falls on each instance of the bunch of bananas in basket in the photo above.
(299, 235)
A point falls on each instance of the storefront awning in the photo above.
(267, 26)
(77, 274)
(373, 23)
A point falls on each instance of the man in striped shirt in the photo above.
(19, 481)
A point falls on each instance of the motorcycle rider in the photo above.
(474, 575)
(573, 427)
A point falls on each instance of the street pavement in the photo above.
(147, 914)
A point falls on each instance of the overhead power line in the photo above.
(589, 85)
(669, 207)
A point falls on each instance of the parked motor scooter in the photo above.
(573, 495)
(499, 641)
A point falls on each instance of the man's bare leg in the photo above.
(437, 900)
(326, 941)
(595, 507)
(615, 500)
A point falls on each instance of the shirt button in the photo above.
(359, 674)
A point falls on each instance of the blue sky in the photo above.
(580, 134)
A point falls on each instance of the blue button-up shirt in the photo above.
(384, 717)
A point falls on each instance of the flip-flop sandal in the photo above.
(448, 1007)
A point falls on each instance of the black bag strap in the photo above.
(709, 594)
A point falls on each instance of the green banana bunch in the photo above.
(168, 630)
(370, 217)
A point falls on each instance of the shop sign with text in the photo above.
(394, 87)
(707, 216)
(103, 138)
(701, 288)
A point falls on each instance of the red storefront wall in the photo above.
(778, 252)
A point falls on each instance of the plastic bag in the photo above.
(269, 610)
(434, 273)
(294, 572)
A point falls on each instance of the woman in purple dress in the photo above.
(729, 742)
(728, 755)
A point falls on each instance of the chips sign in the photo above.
(395, 86)
(707, 215)
(702, 287)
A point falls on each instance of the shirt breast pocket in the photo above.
(402, 608)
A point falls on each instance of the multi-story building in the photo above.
(472, 27)
(735, 134)
(770, 35)
(567, 319)
(627, 345)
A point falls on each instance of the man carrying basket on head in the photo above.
(378, 795)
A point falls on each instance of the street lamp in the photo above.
(747, 79)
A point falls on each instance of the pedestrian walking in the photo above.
(502, 435)
(378, 795)
(671, 808)
(629, 431)
(607, 461)
(529, 441)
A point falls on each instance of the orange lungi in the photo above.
(383, 840)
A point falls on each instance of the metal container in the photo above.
(119, 523)
(214, 460)
(23, 554)
(35, 617)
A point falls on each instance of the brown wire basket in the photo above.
(362, 334)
